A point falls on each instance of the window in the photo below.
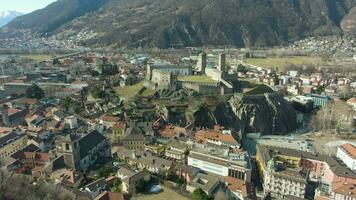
(67, 147)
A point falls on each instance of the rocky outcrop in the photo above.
(265, 114)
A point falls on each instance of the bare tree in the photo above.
(333, 117)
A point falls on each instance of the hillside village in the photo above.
(131, 125)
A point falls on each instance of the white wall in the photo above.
(350, 162)
(208, 166)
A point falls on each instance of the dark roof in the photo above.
(56, 164)
(29, 148)
(11, 136)
(59, 113)
(93, 186)
(89, 141)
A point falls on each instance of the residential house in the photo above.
(177, 151)
(95, 188)
(11, 143)
(207, 182)
(347, 153)
(129, 183)
(218, 136)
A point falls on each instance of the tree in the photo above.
(345, 91)
(34, 92)
(242, 68)
(199, 194)
(106, 171)
(334, 116)
(97, 92)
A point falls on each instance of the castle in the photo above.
(204, 80)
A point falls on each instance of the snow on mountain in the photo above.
(7, 16)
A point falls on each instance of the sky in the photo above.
(24, 6)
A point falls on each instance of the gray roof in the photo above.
(89, 141)
(93, 186)
(126, 171)
(206, 182)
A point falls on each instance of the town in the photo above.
(181, 124)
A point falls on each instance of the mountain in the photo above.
(7, 16)
(44, 21)
(159, 23)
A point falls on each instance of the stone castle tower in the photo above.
(202, 63)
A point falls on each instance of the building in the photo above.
(134, 141)
(94, 188)
(81, 152)
(280, 182)
(324, 170)
(319, 100)
(11, 143)
(218, 136)
(207, 182)
(176, 151)
(132, 179)
(347, 153)
(16, 88)
(201, 65)
(108, 121)
(221, 161)
(13, 116)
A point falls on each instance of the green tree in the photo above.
(34, 92)
(97, 92)
(242, 69)
(199, 194)
(106, 171)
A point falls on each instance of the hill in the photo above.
(159, 23)
(45, 21)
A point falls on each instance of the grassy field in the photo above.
(167, 194)
(38, 57)
(197, 79)
(281, 62)
(148, 92)
(261, 89)
(129, 91)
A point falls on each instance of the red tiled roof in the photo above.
(120, 125)
(347, 189)
(214, 135)
(350, 149)
(352, 100)
(109, 118)
(235, 184)
(12, 111)
(172, 131)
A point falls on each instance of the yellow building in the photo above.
(11, 143)
(288, 157)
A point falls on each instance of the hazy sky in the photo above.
(24, 6)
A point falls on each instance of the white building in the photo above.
(347, 153)
(221, 162)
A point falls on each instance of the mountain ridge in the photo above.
(160, 23)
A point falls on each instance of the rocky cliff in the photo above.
(266, 114)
